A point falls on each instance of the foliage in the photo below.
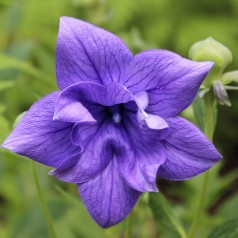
(28, 32)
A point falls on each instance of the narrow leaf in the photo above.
(229, 229)
(163, 213)
(9, 62)
(5, 84)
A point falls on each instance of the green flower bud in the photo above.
(211, 50)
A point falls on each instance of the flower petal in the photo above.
(188, 151)
(138, 151)
(141, 161)
(83, 133)
(171, 81)
(39, 137)
(107, 197)
(82, 102)
(69, 110)
(88, 53)
(100, 143)
(74, 103)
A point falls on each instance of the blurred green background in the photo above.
(28, 33)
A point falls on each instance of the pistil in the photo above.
(116, 113)
(116, 117)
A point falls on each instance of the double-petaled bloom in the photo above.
(113, 128)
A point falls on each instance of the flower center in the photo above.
(116, 112)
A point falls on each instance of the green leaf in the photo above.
(67, 196)
(5, 128)
(2, 108)
(229, 229)
(5, 84)
(77, 212)
(13, 18)
(163, 213)
(8, 62)
(24, 226)
(19, 51)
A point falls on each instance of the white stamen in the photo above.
(142, 124)
(142, 115)
(142, 100)
(116, 117)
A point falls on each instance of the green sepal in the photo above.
(230, 77)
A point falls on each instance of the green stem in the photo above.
(129, 226)
(210, 112)
(43, 203)
(181, 232)
(200, 206)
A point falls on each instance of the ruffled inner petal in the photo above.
(86, 102)
(69, 110)
(137, 150)
(140, 165)
(99, 143)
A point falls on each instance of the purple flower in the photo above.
(113, 127)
